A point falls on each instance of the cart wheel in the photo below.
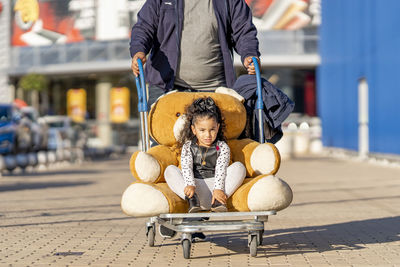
(186, 244)
(253, 245)
(151, 233)
(260, 237)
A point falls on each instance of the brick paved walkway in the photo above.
(344, 213)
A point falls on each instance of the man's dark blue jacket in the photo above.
(159, 28)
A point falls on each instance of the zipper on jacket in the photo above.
(178, 40)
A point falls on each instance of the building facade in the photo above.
(84, 44)
(358, 92)
(5, 91)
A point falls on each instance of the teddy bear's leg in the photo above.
(265, 159)
(144, 200)
(149, 166)
(266, 192)
(257, 158)
(141, 200)
(269, 193)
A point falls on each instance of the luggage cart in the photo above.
(189, 223)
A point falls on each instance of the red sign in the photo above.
(44, 22)
(1, 7)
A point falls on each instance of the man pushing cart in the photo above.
(191, 45)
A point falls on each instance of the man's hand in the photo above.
(248, 64)
(134, 66)
(189, 191)
(219, 195)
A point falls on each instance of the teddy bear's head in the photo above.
(166, 117)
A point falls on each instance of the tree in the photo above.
(34, 83)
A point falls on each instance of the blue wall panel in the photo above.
(360, 38)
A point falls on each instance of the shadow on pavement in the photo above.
(349, 189)
(344, 200)
(68, 198)
(25, 186)
(67, 221)
(65, 211)
(64, 208)
(51, 173)
(332, 237)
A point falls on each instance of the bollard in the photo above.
(10, 162)
(51, 158)
(22, 161)
(79, 155)
(316, 146)
(33, 159)
(284, 145)
(2, 164)
(67, 155)
(302, 139)
(42, 161)
(292, 130)
(59, 155)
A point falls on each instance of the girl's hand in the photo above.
(189, 191)
(248, 64)
(219, 195)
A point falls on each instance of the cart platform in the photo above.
(189, 223)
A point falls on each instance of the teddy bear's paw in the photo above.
(147, 167)
(269, 193)
(142, 200)
(265, 159)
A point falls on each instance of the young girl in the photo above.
(205, 181)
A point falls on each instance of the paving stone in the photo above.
(344, 213)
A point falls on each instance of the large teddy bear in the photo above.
(149, 195)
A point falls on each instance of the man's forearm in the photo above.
(244, 33)
(144, 30)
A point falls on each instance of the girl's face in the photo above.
(206, 130)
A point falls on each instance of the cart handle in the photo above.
(142, 107)
(260, 104)
(141, 89)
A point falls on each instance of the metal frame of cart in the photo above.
(253, 224)
(186, 223)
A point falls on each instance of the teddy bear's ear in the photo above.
(161, 96)
(229, 91)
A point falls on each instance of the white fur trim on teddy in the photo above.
(269, 193)
(147, 167)
(142, 200)
(178, 127)
(229, 91)
(263, 159)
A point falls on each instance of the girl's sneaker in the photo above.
(194, 204)
(218, 207)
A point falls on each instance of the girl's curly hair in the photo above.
(204, 107)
